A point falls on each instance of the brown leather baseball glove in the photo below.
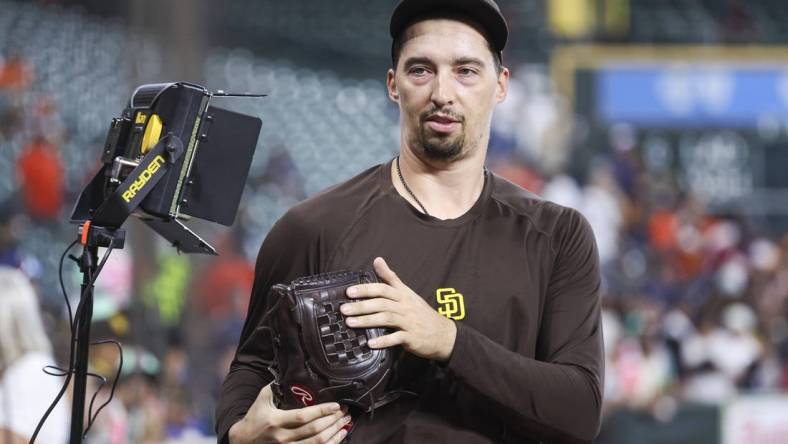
(317, 358)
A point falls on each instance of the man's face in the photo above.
(446, 86)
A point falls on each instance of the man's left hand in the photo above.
(419, 328)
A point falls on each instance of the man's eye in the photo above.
(418, 70)
(467, 72)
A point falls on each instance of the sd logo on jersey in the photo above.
(451, 303)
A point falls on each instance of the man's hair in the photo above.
(399, 41)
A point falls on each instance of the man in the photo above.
(491, 292)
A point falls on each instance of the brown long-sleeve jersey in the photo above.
(518, 274)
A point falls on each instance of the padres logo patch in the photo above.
(451, 303)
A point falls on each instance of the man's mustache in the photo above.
(435, 112)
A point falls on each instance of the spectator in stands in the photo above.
(41, 179)
(15, 74)
(10, 254)
(25, 390)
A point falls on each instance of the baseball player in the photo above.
(491, 294)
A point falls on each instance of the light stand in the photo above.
(169, 157)
(93, 237)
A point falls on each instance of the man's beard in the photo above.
(440, 147)
(446, 147)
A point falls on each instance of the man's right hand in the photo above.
(264, 423)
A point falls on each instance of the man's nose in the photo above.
(442, 90)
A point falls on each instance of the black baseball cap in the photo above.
(484, 12)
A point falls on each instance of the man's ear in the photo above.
(503, 85)
(391, 85)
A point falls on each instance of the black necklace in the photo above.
(407, 188)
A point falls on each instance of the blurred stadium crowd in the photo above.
(695, 307)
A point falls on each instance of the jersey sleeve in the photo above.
(286, 253)
(555, 397)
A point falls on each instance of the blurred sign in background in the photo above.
(664, 122)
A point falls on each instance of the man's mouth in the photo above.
(442, 124)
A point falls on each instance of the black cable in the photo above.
(102, 381)
(60, 277)
(91, 416)
(63, 372)
(74, 321)
(70, 351)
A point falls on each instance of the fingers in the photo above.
(266, 423)
(373, 290)
(338, 437)
(383, 319)
(378, 312)
(389, 340)
(368, 306)
(298, 417)
(319, 430)
(389, 290)
(330, 433)
(387, 274)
